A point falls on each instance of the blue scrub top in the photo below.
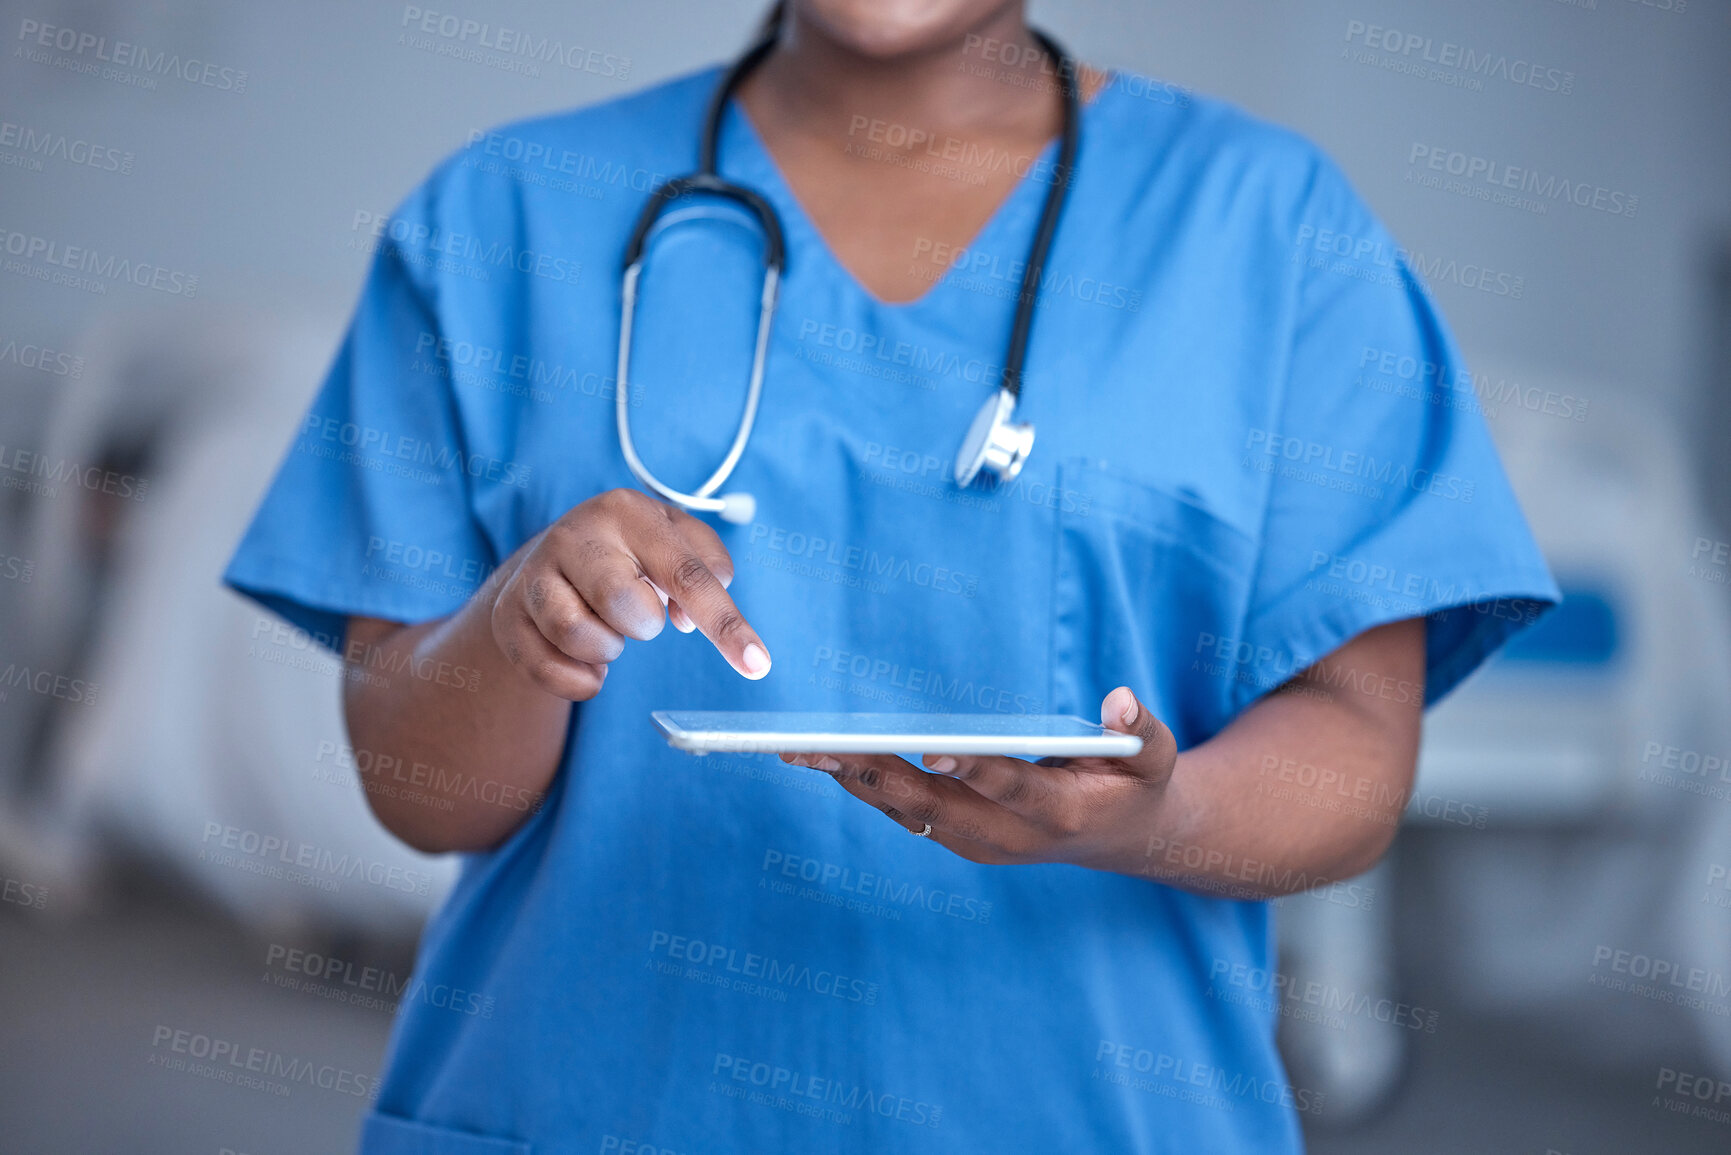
(1254, 442)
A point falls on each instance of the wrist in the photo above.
(1161, 837)
(1125, 847)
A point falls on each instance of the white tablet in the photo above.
(777, 732)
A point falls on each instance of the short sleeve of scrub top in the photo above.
(373, 509)
(1249, 449)
(1380, 472)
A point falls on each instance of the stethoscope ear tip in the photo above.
(738, 508)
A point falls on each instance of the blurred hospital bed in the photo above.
(1560, 845)
(211, 735)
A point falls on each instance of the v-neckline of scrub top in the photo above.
(796, 221)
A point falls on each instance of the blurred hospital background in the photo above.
(1542, 965)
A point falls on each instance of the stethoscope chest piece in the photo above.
(994, 442)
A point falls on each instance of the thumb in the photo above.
(1124, 712)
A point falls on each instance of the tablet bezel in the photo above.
(707, 732)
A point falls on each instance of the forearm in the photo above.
(455, 744)
(1305, 788)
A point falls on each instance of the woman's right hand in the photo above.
(618, 566)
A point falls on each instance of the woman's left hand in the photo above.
(1084, 811)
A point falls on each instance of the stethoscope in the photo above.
(995, 443)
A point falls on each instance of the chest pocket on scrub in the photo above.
(1143, 581)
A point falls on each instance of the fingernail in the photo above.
(681, 622)
(756, 661)
(944, 765)
(1129, 712)
(828, 764)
